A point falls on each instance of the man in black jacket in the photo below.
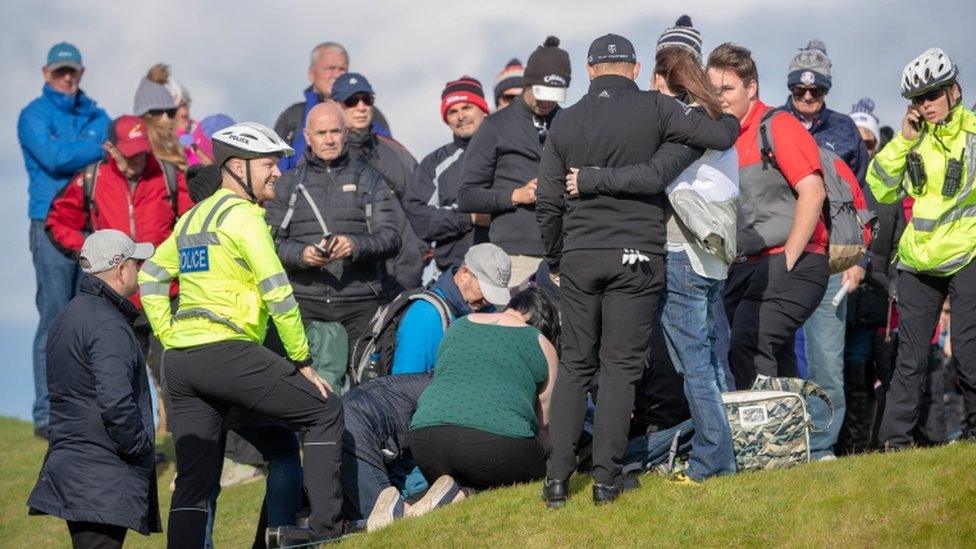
(502, 162)
(99, 473)
(395, 165)
(608, 254)
(431, 201)
(334, 224)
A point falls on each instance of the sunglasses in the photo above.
(816, 93)
(930, 95)
(508, 97)
(540, 126)
(353, 101)
(159, 112)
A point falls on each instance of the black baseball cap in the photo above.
(611, 48)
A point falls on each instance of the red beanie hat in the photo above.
(462, 90)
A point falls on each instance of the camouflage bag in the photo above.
(770, 424)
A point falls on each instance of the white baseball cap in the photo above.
(108, 248)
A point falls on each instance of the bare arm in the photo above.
(545, 393)
(809, 208)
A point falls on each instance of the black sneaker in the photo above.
(605, 493)
(555, 492)
(283, 537)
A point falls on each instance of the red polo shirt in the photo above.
(796, 154)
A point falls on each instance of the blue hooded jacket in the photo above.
(838, 133)
(419, 335)
(59, 135)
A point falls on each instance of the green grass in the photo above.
(915, 498)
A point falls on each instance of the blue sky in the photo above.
(249, 59)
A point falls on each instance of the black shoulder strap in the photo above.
(765, 141)
(172, 185)
(88, 180)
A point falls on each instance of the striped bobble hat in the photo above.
(462, 90)
(510, 77)
(682, 35)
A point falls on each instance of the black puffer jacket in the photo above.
(100, 464)
(343, 190)
(396, 165)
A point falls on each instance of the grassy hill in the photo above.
(915, 498)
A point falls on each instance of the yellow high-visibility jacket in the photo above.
(230, 280)
(941, 237)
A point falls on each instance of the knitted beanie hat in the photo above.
(463, 90)
(810, 66)
(510, 77)
(152, 94)
(682, 35)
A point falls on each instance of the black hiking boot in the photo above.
(555, 492)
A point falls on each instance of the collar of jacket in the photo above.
(522, 108)
(318, 164)
(820, 119)
(446, 287)
(312, 95)
(77, 103)
(151, 170)
(960, 120)
(605, 81)
(461, 142)
(356, 141)
(91, 284)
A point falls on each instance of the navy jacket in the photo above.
(100, 464)
(377, 417)
(59, 135)
(431, 204)
(838, 133)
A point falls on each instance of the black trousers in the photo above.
(607, 310)
(208, 381)
(476, 459)
(920, 299)
(765, 305)
(91, 535)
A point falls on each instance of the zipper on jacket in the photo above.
(132, 212)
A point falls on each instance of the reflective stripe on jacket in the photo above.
(230, 279)
(941, 237)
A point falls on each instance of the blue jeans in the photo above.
(58, 277)
(689, 330)
(362, 482)
(283, 485)
(824, 334)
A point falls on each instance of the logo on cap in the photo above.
(807, 78)
(136, 131)
(555, 79)
(353, 81)
(116, 259)
(612, 48)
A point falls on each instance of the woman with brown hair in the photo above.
(155, 104)
(701, 228)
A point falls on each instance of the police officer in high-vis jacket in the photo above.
(932, 161)
(231, 280)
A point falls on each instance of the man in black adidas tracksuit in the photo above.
(608, 252)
